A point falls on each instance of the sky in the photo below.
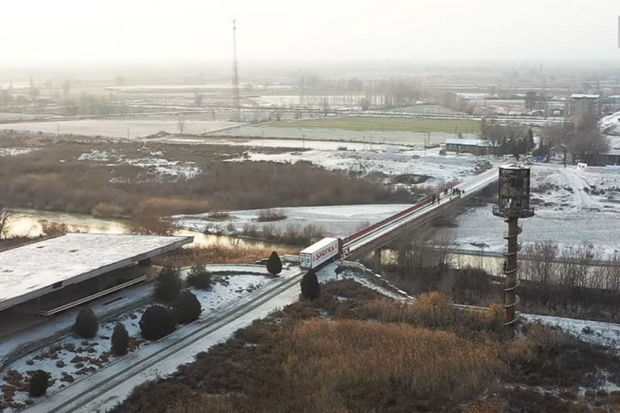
(138, 31)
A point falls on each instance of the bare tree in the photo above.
(181, 124)
(541, 268)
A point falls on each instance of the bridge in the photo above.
(380, 234)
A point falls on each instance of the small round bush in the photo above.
(187, 308)
(274, 265)
(39, 382)
(157, 322)
(86, 324)
(310, 287)
(168, 284)
(199, 277)
(120, 340)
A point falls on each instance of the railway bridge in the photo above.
(380, 234)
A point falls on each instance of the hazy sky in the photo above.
(272, 30)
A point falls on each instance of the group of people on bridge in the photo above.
(446, 192)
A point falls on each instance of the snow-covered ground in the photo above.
(610, 124)
(119, 128)
(153, 164)
(572, 207)
(595, 332)
(390, 160)
(72, 358)
(336, 220)
(16, 151)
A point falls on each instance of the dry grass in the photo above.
(435, 310)
(295, 362)
(351, 360)
(216, 254)
(203, 404)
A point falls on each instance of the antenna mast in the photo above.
(237, 108)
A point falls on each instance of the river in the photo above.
(31, 223)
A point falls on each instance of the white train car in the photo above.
(319, 253)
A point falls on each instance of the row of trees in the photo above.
(580, 138)
(508, 138)
(570, 278)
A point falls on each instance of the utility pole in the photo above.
(237, 108)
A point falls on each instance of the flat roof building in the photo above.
(63, 266)
(475, 146)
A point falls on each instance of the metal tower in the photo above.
(513, 203)
(237, 107)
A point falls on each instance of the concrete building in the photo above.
(580, 104)
(56, 274)
(475, 146)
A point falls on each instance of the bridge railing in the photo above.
(387, 220)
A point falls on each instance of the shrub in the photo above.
(107, 210)
(187, 308)
(271, 215)
(86, 324)
(199, 277)
(274, 265)
(157, 322)
(120, 340)
(168, 284)
(39, 382)
(434, 310)
(310, 287)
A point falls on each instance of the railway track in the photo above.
(106, 379)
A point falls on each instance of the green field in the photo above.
(364, 123)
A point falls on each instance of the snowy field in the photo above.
(119, 128)
(336, 220)
(73, 358)
(415, 139)
(572, 207)
(390, 160)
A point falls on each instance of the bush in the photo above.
(157, 322)
(274, 265)
(39, 382)
(187, 308)
(168, 284)
(199, 277)
(271, 215)
(120, 340)
(310, 287)
(86, 324)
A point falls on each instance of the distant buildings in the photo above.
(580, 104)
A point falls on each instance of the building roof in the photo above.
(33, 270)
(468, 142)
(584, 96)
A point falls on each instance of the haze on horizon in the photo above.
(59, 32)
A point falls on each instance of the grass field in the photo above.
(363, 123)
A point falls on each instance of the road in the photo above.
(113, 383)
